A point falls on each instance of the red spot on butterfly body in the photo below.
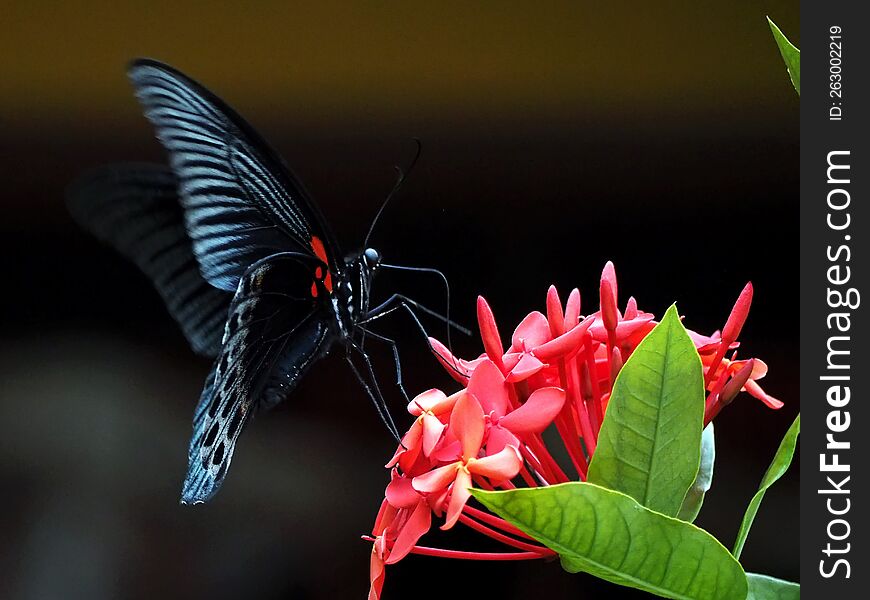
(320, 252)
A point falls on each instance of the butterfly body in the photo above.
(240, 254)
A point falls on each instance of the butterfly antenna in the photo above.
(402, 176)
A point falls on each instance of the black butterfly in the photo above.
(242, 257)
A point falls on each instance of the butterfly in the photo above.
(242, 257)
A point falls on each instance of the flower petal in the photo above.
(501, 466)
(457, 368)
(537, 413)
(759, 368)
(401, 494)
(510, 360)
(445, 406)
(532, 331)
(461, 494)
(438, 501)
(432, 430)
(755, 390)
(417, 524)
(499, 437)
(447, 451)
(564, 344)
(385, 518)
(528, 366)
(426, 401)
(704, 342)
(436, 479)
(487, 384)
(637, 336)
(468, 425)
(406, 454)
(376, 571)
(624, 329)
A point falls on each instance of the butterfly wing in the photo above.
(134, 207)
(255, 232)
(241, 203)
(276, 329)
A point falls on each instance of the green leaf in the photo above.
(777, 468)
(609, 535)
(649, 446)
(695, 496)
(790, 54)
(763, 587)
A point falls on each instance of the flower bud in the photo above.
(738, 316)
(489, 332)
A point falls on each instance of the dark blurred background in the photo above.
(556, 136)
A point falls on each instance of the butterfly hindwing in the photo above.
(241, 202)
(135, 208)
(276, 328)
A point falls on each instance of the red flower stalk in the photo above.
(559, 370)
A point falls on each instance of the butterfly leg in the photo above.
(396, 301)
(399, 302)
(370, 385)
(395, 349)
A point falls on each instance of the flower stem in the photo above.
(572, 445)
(500, 537)
(592, 369)
(536, 445)
(483, 483)
(570, 437)
(527, 477)
(717, 360)
(463, 555)
(425, 551)
(495, 521)
(537, 465)
(575, 398)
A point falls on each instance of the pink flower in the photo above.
(505, 422)
(396, 531)
(533, 345)
(431, 408)
(558, 371)
(468, 425)
(520, 361)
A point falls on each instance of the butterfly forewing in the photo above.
(134, 207)
(275, 330)
(241, 203)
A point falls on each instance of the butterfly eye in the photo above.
(372, 257)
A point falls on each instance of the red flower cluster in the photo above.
(559, 369)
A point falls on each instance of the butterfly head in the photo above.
(372, 258)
